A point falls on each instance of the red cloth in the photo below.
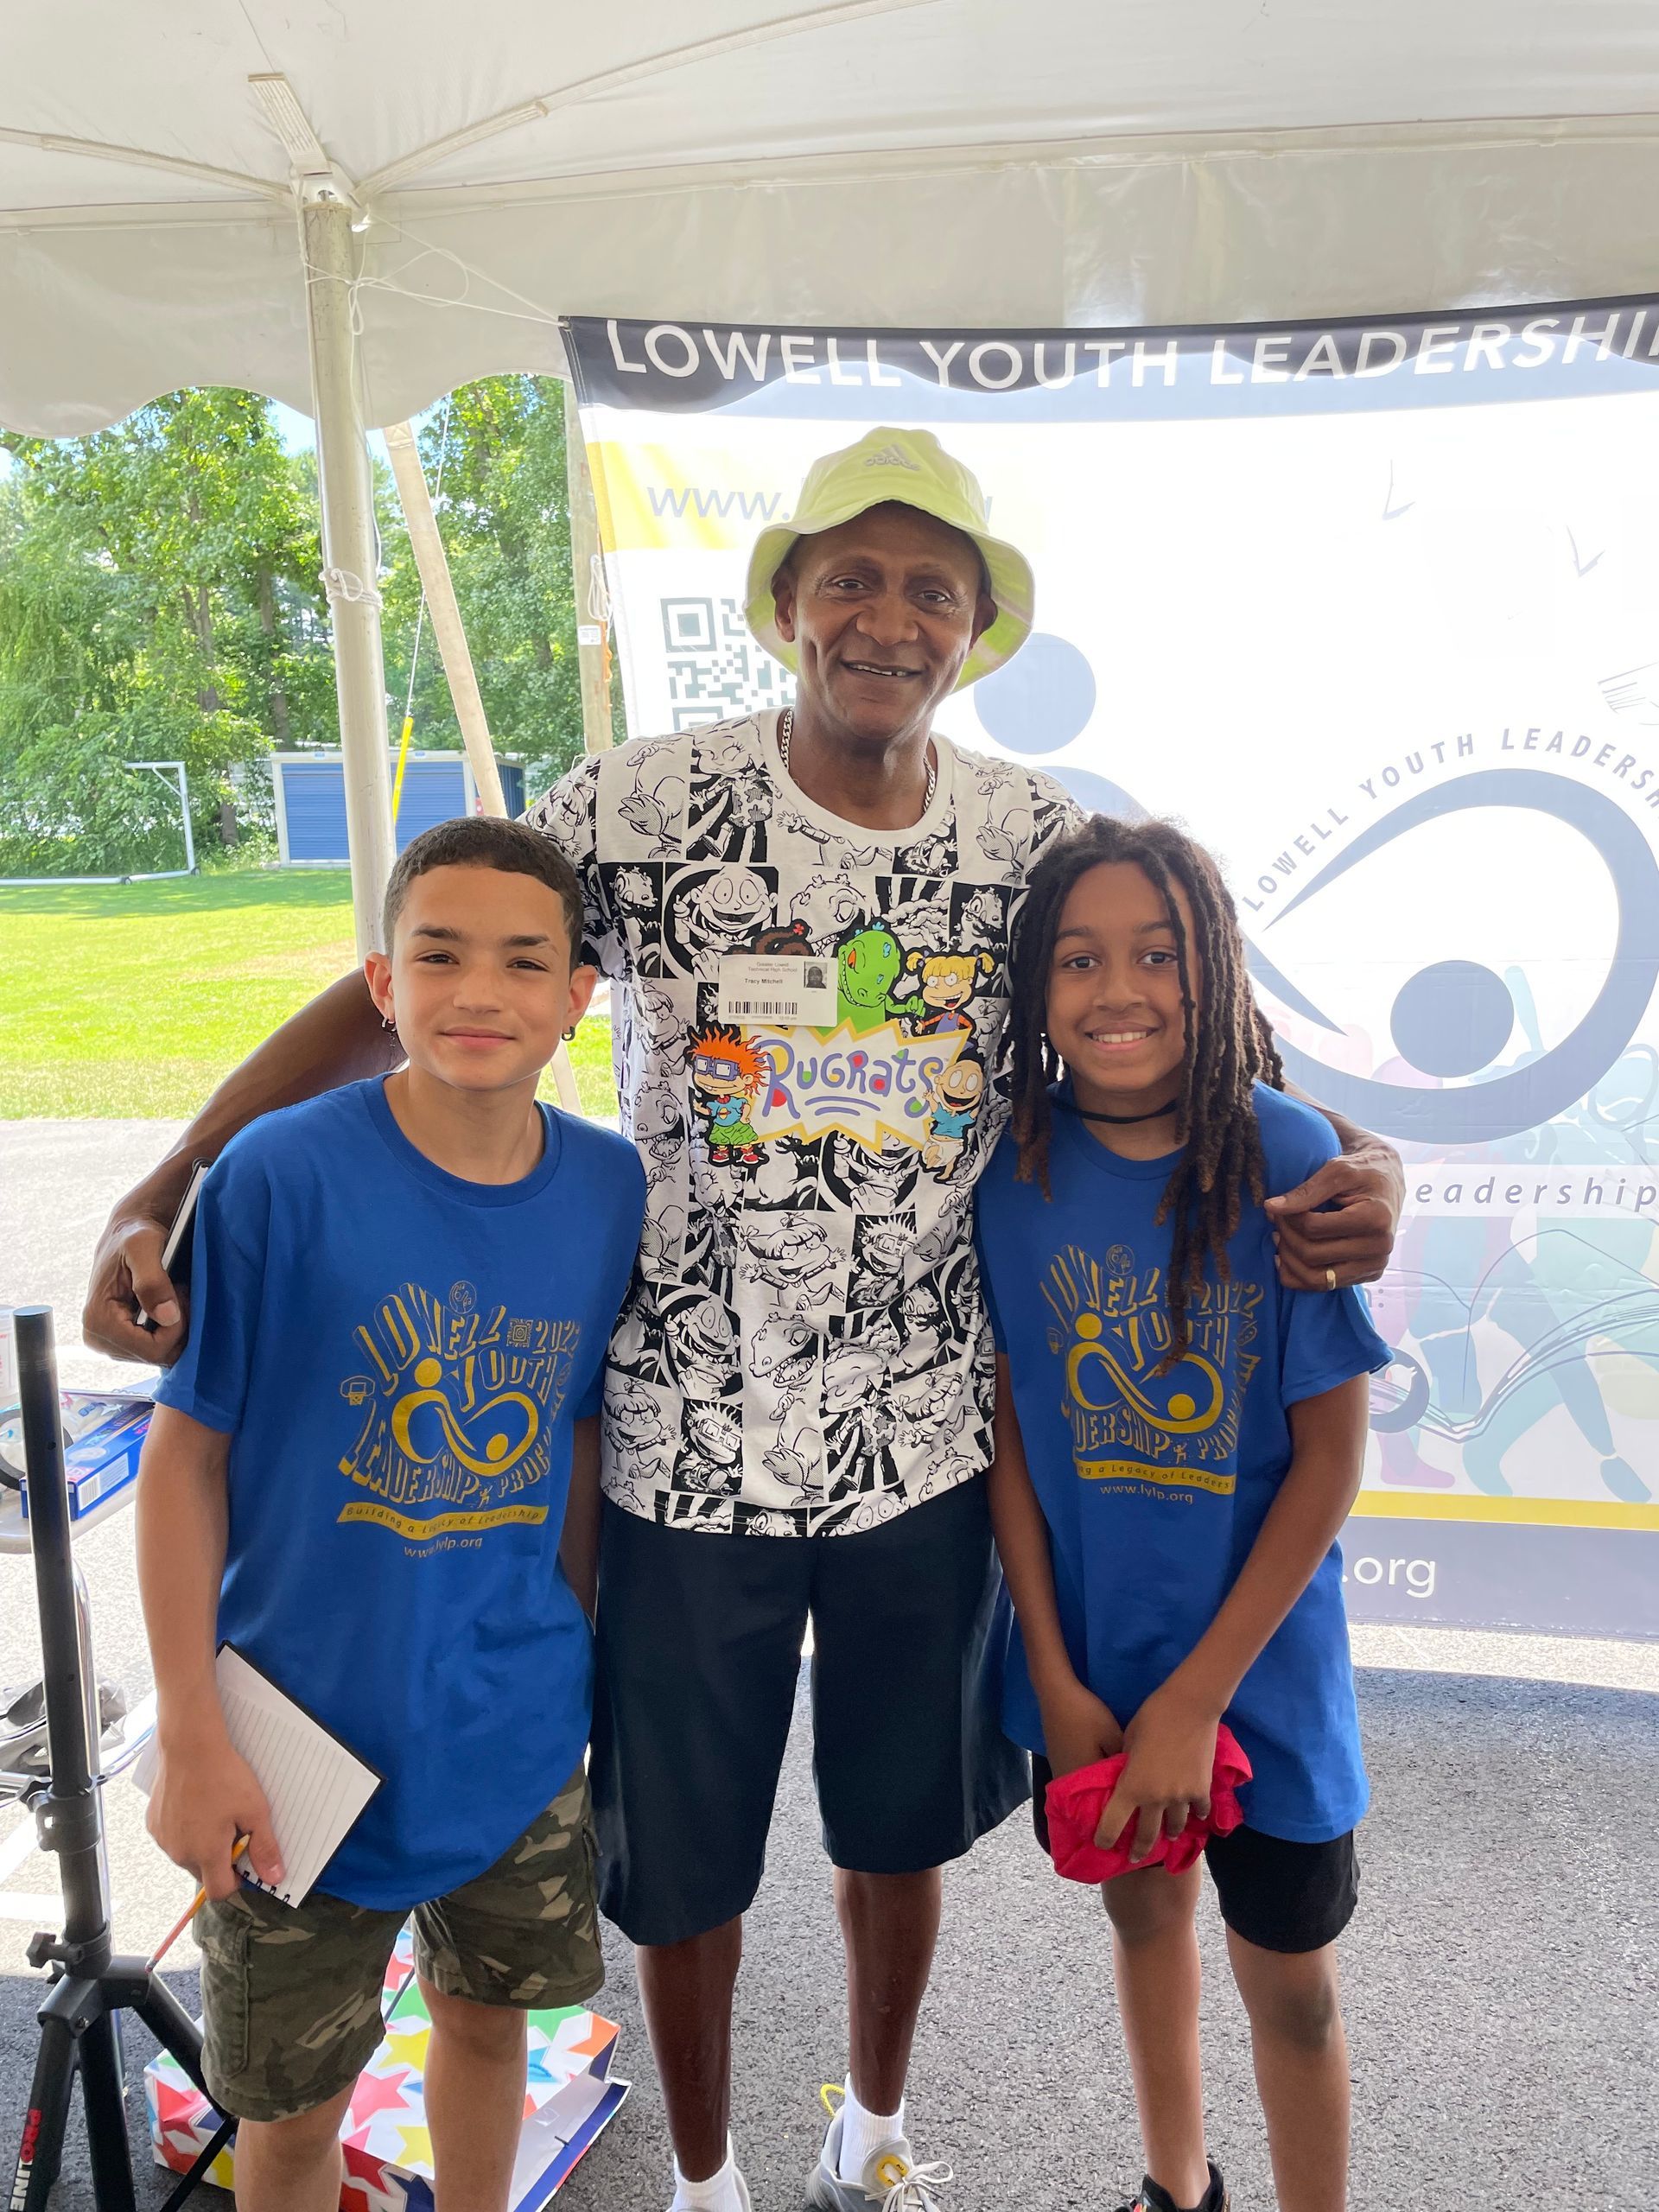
(1076, 1801)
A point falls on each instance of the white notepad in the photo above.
(314, 1785)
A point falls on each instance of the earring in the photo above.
(386, 1022)
(568, 1034)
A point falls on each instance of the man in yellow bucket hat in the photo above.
(800, 1358)
(906, 469)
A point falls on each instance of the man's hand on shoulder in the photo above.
(337, 1038)
(1342, 1221)
(127, 1276)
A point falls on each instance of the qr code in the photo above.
(714, 668)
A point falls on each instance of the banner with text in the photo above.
(1374, 608)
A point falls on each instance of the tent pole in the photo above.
(434, 565)
(346, 482)
(593, 650)
(446, 626)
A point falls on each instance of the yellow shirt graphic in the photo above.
(1130, 1423)
(458, 1403)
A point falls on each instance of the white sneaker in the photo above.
(891, 2179)
(742, 2194)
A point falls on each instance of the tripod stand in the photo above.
(90, 1985)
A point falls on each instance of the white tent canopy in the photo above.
(355, 204)
(887, 161)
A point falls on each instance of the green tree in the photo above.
(504, 513)
(158, 599)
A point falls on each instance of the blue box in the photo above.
(104, 1434)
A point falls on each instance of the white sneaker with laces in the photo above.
(891, 2180)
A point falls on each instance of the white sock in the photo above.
(862, 2132)
(718, 2194)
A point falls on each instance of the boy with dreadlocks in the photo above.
(1178, 1440)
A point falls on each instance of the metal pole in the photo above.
(592, 639)
(72, 1803)
(348, 553)
(48, 1541)
(446, 626)
(184, 809)
(165, 769)
(94, 1704)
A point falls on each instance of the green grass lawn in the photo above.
(136, 999)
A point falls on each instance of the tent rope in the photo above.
(420, 625)
(528, 311)
(345, 587)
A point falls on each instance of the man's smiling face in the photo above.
(884, 611)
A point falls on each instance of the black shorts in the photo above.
(1278, 1895)
(700, 1640)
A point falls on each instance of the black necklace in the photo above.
(1120, 1120)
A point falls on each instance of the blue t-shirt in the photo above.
(1156, 1487)
(398, 1356)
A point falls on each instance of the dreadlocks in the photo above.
(1228, 1045)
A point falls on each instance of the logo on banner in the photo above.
(1552, 1142)
(1451, 1019)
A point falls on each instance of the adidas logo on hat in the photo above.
(891, 457)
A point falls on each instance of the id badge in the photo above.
(799, 992)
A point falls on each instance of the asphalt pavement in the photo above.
(1501, 1976)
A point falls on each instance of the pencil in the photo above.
(196, 1903)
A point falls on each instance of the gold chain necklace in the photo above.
(787, 730)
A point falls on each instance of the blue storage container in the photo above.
(310, 790)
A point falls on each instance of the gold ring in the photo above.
(1330, 1278)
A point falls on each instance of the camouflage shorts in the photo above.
(291, 1995)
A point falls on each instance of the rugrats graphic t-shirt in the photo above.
(803, 1350)
(1154, 1487)
(397, 1356)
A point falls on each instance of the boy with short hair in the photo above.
(359, 1473)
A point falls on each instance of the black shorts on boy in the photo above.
(700, 1638)
(1278, 1895)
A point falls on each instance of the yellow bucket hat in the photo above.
(912, 467)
